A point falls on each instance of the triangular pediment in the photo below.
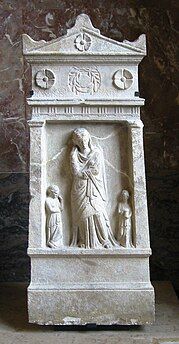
(84, 39)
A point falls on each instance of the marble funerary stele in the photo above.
(88, 223)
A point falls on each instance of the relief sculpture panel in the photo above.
(89, 172)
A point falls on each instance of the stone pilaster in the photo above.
(37, 184)
(137, 172)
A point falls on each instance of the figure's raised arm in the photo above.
(74, 162)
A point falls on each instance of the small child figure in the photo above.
(54, 207)
(124, 236)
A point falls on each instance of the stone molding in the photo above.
(115, 252)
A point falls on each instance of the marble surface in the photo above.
(158, 85)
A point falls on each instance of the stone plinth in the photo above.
(14, 324)
(77, 287)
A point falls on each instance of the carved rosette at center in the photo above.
(84, 80)
(82, 42)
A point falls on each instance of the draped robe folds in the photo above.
(91, 227)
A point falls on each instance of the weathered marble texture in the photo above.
(158, 85)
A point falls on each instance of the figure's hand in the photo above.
(61, 207)
(73, 151)
(84, 175)
(92, 169)
(127, 214)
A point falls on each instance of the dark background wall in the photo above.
(122, 19)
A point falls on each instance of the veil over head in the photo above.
(79, 133)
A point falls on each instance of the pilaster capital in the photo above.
(137, 123)
(36, 124)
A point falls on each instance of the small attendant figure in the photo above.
(54, 207)
(124, 236)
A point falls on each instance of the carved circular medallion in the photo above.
(84, 80)
(82, 42)
(45, 78)
(123, 79)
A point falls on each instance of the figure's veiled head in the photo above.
(124, 195)
(81, 138)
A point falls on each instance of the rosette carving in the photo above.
(45, 78)
(82, 42)
(123, 79)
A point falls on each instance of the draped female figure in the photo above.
(91, 227)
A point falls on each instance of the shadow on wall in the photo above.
(14, 212)
(163, 224)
